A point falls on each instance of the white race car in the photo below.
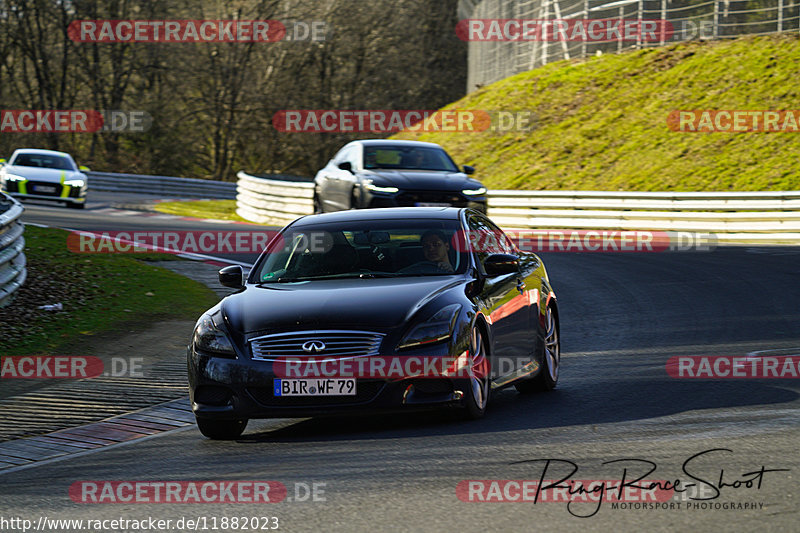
(44, 175)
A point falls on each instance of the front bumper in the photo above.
(221, 388)
(418, 198)
(45, 191)
(44, 197)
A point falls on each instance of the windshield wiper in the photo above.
(286, 279)
(377, 275)
(361, 275)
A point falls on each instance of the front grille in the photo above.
(411, 198)
(365, 391)
(33, 187)
(337, 343)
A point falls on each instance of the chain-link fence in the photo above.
(501, 47)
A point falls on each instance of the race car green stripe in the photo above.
(64, 188)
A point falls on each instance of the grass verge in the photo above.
(215, 209)
(601, 123)
(98, 292)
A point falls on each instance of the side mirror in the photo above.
(346, 165)
(499, 264)
(84, 168)
(232, 276)
(469, 170)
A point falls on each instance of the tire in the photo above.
(547, 378)
(476, 397)
(317, 205)
(221, 429)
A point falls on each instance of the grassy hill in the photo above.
(601, 123)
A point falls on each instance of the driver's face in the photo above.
(435, 249)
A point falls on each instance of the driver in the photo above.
(417, 159)
(436, 249)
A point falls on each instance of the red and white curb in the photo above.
(146, 423)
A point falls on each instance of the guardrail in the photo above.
(769, 217)
(760, 217)
(273, 200)
(161, 185)
(12, 245)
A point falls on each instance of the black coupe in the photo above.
(372, 310)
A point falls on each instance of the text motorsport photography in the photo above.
(705, 483)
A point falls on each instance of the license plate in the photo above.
(315, 387)
(44, 188)
(433, 204)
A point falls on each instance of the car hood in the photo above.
(43, 174)
(330, 304)
(423, 180)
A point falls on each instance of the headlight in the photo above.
(14, 177)
(436, 329)
(474, 192)
(208, 337)
(75, 183)
(375, 188)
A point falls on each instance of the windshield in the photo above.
(363, 249)
(43, 161)
(408, 157)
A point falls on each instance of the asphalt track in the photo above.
(623, 316)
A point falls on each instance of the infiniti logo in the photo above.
(313, 346)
